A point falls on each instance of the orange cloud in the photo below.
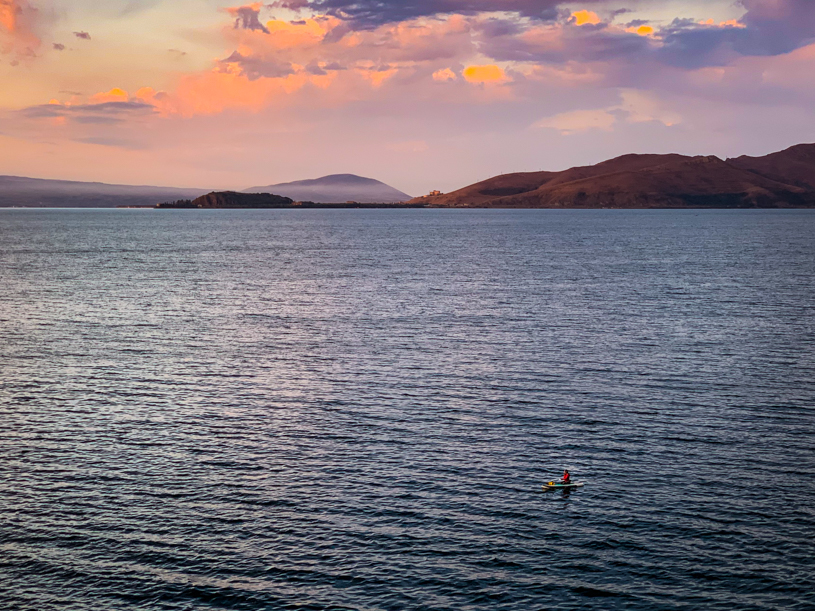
(287, 35)
(216, 91)
(484, 74)
(643, 30)
(730, 23)
(17, 37)
(585, 17)
(114, 95)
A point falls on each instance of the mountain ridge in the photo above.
(782, 179)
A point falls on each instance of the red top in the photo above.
(566, 477)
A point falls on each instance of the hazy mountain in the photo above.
(337, 188)
(36, 192)
(785, 179)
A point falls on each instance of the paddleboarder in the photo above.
(567, 479)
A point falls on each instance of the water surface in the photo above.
(355, 409)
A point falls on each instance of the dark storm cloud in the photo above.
(257, 67)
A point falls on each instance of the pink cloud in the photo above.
(17, 24)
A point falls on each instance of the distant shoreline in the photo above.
(396, 207)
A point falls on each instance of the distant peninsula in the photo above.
(781, 180)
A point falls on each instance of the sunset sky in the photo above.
(422, 94)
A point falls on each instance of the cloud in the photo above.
(585, 17)
(111, 142)
(292, 5)
(107, 112)
(634, 107)
(358, 48)
(769, 27)
(775, 27)
(82, 35)
(565, 41)
(257, 67)
(248, 17)
(444, 74)
(564, 66)
(366, 14)
(578, 121)
(484, 74)
(643, 107)
(641, 30)
(18, 20)
(58, 46)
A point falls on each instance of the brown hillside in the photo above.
(634, 181)
(697, 181)
(486, 192)
(795, 165)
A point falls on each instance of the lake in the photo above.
(356, 409)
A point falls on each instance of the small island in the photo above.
(233, 199)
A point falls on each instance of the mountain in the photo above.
(37, 192)
(337, 188)
(785, 179)
(795, 165)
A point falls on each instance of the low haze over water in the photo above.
(356, 409)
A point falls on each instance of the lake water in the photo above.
(356, 409)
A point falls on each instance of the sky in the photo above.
(421, 94)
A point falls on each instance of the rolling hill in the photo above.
(784, 179)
